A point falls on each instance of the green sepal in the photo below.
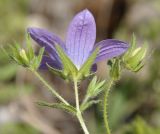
(88, 104)
(30, 51)
(131, 48)
(86, 67)
(36, 60)
(115, 69)
(69, 69)
(56, 71)
(138, 55)
(135, 62)
(67, 108)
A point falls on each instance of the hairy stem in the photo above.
(79, 114)
(50, 88)
(105, 104)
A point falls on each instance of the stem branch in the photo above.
(105, 101)
(50, 88)
(79, 114)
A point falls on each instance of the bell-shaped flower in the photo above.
(79, 44)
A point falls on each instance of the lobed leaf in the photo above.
(62, 106)
(95, 87)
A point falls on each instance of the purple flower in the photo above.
(79, 44)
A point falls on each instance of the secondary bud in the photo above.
(133, 59)
(23, 55)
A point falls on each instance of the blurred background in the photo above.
(134, 105)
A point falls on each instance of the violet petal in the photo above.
(110, 48)
(50, 61)
(46, 39)
(81, 37)
(94, 67)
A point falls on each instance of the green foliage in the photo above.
(139, 126)
(17, 128)
(118, 108)
(95, 87)
(10, 92)
(13, 20)
(7, 72)
(62, 106)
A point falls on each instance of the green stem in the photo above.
(50, 88)
(105, 101)
(85, 100)
(79, 114)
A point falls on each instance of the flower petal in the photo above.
(94, 68)
(46, 39)
(110, 48)
(50, 61)
(81, 37)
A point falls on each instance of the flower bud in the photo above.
(26, 57)
(23, 55)
(133, 59)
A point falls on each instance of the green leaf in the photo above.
(85, 69)
(140, 126)
(62, 106)
(95, 87)
(89, 104)
(68, 67)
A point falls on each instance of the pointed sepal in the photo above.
(57, 72)
(115, 68)
(69, 69)
(85, 70)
